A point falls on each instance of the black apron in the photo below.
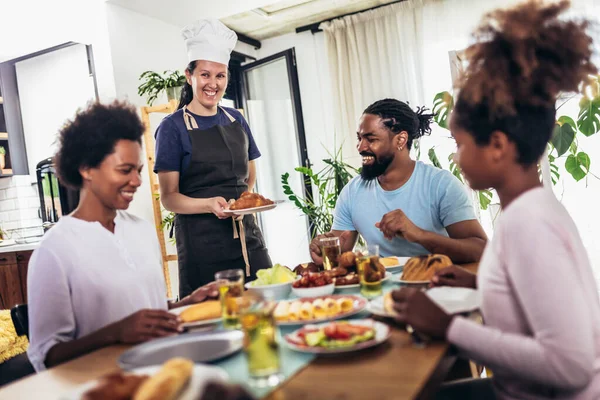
(205, 243)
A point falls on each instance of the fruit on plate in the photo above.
(271, 276)
(313, 279)
(335, 335)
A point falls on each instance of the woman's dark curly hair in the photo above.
(397, 116)
(521, 59)
(91, 136)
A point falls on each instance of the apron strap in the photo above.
(242, 237)
(190, 121)
(227, 114)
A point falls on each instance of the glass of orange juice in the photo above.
(261, 347)
(231, 288)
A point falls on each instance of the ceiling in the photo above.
(258, 19)
(285, 16)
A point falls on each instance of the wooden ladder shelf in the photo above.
(167, 108)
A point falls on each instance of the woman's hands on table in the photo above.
(145, 325)
(413, 307)
(454, 276)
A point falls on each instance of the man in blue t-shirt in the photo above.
(406, 207)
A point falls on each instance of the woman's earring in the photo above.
(400, 148)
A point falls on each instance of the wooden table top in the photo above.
(393, 370)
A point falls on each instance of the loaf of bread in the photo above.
(168, 382)
(422, 268)
(201, 311)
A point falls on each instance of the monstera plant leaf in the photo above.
(563, 135)
(578, 165)
(588, 120)
(443, 103)
(434, 158)
(454, 168)
(485, 198)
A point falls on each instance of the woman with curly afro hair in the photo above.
(541, 336)
(96, 278)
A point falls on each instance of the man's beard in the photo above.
(379, 166)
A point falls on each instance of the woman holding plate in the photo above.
(204, 158)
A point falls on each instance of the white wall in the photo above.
(51, 87)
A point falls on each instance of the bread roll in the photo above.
(168, 382)
(422, 268)
(201, 311)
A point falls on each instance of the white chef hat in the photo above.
(210, 40)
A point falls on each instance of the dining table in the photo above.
(399, 368)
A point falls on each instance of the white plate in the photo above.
(195, 324)
(376, 307)
(398, 267)
(388, 275)
(201, 375)
(382, 333)
(252, 210)
(455, 300)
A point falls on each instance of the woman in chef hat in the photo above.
(205, 157)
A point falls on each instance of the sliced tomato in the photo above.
(333, 332)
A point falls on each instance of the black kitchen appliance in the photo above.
(56, 200)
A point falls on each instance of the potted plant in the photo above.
(153, 84)
(327, 186)
(2, 157)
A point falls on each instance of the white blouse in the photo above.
(83, 277)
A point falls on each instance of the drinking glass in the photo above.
(370, 277)
(261, 348)
(231, 288)
(330, 250)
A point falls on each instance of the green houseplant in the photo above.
(327, 186)
(153, 84)
(563, 145)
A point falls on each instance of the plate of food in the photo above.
(393, 264)
(349, 278)
(177, 379)
(382, 306)
(197, 315)
(346, 273)
(315, 310)
(338, 337)
(419, 270)
(250, 203)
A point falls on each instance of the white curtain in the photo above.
(371, 56)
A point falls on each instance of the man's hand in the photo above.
(315, 247)
(414, 308)
(396, 223)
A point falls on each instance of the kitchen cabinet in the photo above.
(13, 278)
